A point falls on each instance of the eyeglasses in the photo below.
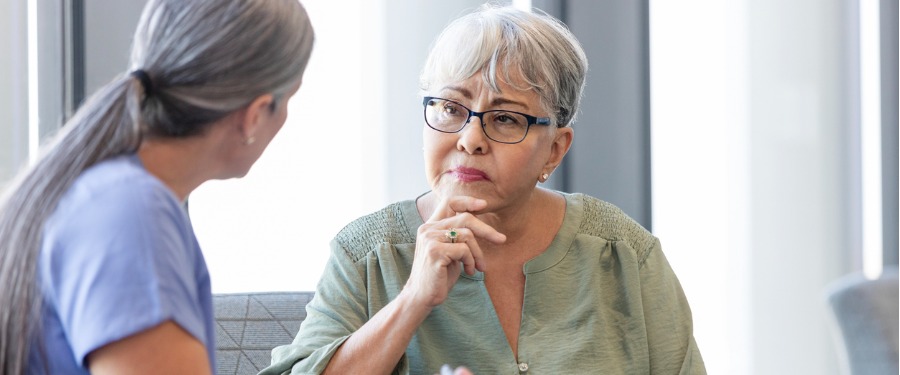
(501, 126)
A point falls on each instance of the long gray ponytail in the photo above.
(204, 59)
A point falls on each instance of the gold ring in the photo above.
(451, 234)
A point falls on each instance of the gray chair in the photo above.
(249, 325)
(865, 313)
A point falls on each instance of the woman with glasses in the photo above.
(488, 270)
(100, 271)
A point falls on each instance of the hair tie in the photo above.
(142, 75)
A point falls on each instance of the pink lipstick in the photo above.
(466, 174)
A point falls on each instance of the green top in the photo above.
(601, 299)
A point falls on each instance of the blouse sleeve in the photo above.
(338, 309)
(670, 336)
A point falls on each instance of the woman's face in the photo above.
(469, 163)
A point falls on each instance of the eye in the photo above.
(506, 119)
(450, 108)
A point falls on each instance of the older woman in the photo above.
(100, 271)
(487, 270)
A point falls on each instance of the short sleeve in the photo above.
(118, 261)
(338, 309)
(673, 349)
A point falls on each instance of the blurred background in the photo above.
(756, 138)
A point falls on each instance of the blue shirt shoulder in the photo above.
(119, 256)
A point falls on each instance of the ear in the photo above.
(559, 148)
(255, 115)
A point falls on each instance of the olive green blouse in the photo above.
(601, 299)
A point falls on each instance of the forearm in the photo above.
(380, 343)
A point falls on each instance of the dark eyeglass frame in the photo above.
(532, 120)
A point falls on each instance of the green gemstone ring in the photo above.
(451, 234)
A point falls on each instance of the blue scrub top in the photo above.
(119, 256)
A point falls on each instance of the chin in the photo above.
(234, 173)
(469, 190)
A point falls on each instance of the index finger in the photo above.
(451, 206)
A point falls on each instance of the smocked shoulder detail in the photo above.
(364, 234)
(603, 219)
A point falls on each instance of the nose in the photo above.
(472, 139)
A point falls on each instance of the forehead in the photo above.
(478, 89)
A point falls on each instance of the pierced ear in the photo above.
(559, 147)
(255, 115)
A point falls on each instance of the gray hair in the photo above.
(205, 59)
(502, 41)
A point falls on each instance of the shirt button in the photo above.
(523, 367)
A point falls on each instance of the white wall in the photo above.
(749, 174)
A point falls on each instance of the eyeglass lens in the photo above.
(450, 117)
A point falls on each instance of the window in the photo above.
(270, 230)
(756, 171)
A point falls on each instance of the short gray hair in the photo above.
(502, 40)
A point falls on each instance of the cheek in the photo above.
(280, 119)
(522, 165)
(429, 150)
(435, 145)
(433, 157)
(436, 149)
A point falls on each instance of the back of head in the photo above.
(207, 58)
(503, 42)
(200, 60)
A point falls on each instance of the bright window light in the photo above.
(270, 231)
(870, 121)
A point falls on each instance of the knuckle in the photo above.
(466, 216)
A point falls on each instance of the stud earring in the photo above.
(249, 141)
(544, 176)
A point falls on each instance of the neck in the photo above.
(523, 221)
(182, 164)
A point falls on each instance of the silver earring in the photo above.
(544, 177)
(249, 141)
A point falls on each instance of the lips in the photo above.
(466, 174)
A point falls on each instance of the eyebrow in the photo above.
(494, 103)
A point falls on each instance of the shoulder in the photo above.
(117, 207)
(117, 189)
(605, 220)
(389, 225)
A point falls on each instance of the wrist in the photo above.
(411, 302)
